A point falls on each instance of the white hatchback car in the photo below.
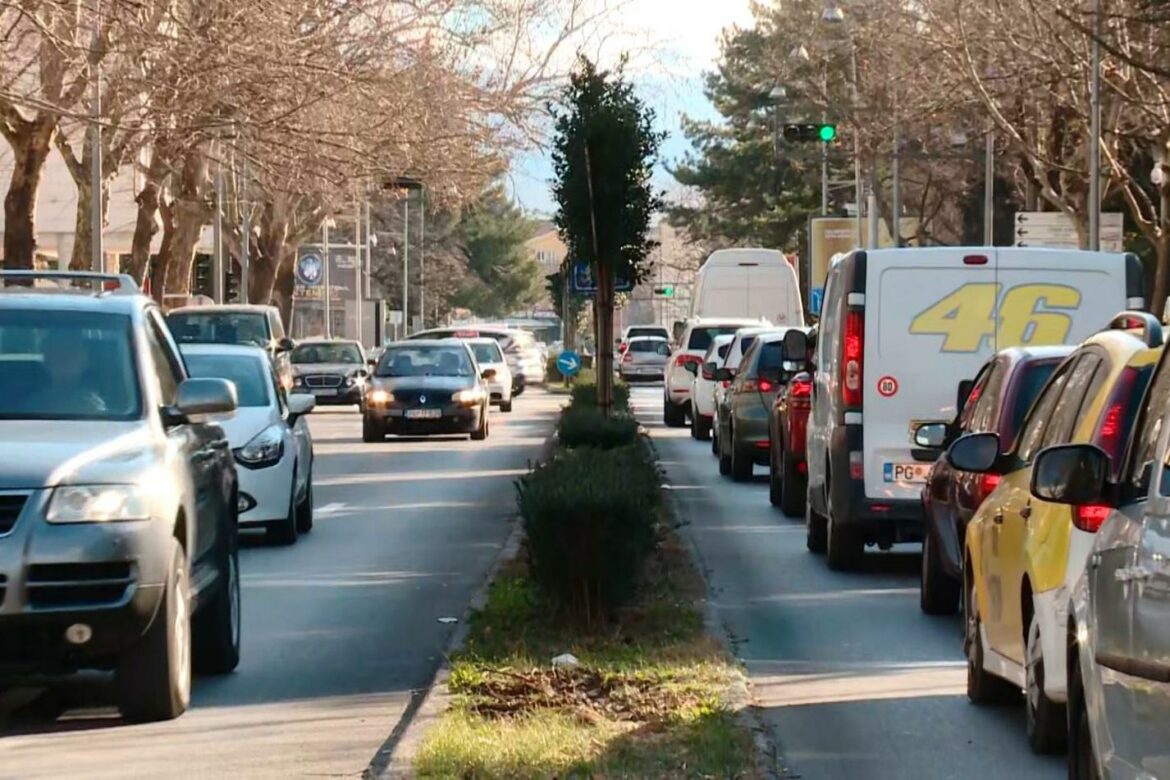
(269, 437)
(489, 355)
(703, 388)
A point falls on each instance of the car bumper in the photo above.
(886, 520)
(501, 392)
(1052, 611)
(641, 372)
(266, 492)
(342, 396)
(455, 419)
(107, 576)
(751, 431)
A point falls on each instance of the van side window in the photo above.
(831, 317)
(1034, 425)
(1147, 432)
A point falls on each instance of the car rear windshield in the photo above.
(246, 373)
(701, 336)
(67, 365)
(219, 328)
(327, 353)
(428, 360)
(650, 346)
(655, 332)
(1028, 385)
(487, 353)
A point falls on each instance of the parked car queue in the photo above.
(1018, 428)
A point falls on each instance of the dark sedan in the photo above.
(334, 372)
(424, 388)
(995, 402)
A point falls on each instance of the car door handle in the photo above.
(1026, 512)
(1094, 560)
(997, 518)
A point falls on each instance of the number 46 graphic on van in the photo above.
(1026, 316)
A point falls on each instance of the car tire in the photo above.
(372, 432)
(845, 547)
(153, 678)
(284, 532)
(217, 628)
(982, 686)
(694, 423)
(673, 416)
(724, 459)
(1046, 721)
(793, 488)
(481, 433)
(506, 406)
(816, 528)
(305, 509)
(1082, 761)
(742, 465)
(938, 593)
(775, 478)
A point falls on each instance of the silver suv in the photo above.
(118, 539)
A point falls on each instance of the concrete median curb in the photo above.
(396, 756)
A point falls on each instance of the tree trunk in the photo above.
(190, 217)
(82, 258)
(282, 290)
(30, 148)
(604, 366)
(161, 266)
(268, 256)
(146, 223)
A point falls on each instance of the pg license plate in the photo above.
(907, 472)
(324, 391)
(424, 414)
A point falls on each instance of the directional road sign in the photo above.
(584, 282)
(568, 363)
(1057, 229)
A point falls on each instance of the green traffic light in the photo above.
(828, 133)
(668, 292)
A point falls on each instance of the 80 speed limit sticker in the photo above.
(887, 386)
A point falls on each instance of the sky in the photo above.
(672, 43)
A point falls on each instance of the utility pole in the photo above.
(328, 284)
(989, 190)
(358, 265)
(896, 222)
(1095, 136)
(217, 230)
(857, 186)
(406, 264)
(97, 237)
(246, 236)
(422, 248)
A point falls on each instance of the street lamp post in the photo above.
(1095, 135)
(328, 284)
(97, 238)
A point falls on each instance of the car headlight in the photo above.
(298, 381)
(265, 449)
(380, 397)
(97, 504)
(467, 397)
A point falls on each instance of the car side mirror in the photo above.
(931, 435)
(285, 345)
(300, 404)
(723, 375)
(691, 368)
(1071, 474)
(488, 373)
(709, 370)
(204, 400)
(975, 452)
(794, 348)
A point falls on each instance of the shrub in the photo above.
(590, 518)
(585, 426)
(585, 393)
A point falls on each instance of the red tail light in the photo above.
(800, 388)
(628, 357)
(766, 386)
(725, 383)
(852, 358)
(1090, 518)
(1111, 431)
(623, 347)
(987, 484)
(682, 360)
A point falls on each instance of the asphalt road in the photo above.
(338, 630)
(852, 678)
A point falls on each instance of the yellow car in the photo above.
(1023, 555)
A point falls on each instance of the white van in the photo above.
(899, 330)
(750, 283)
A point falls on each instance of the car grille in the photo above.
(10, 506)
(414, 397)
(323, 380)
(63, 585)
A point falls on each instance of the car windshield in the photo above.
(701, 336)
(67, 365)
(247, 373)
(436, 360)
(771, 356)
(650, 345)
(327, 353)
(656, 332)
(218, 327)
(487, 353)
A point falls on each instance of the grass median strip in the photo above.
(647, 699)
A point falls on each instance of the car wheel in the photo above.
(694, 423)
(845, 547)
(793, 488)
(216, 630)
(284, 532)
(506, 406)
(741, 462)
(724, 459)
(1046, 720)
(154, 677)
(704, 428)
(481, 433)
(775, 488)
(372, 431)
(982, 686)
(305, 509)
(938, 593)
(673, 415)
(816, 528)
(1082, 761)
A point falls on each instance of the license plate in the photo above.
(907, 472)
(324, 391)
(424, 414)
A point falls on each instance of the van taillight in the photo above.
(1090, 518)
(1111, 433)
(800, 388)
(852, 360)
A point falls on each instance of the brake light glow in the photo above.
(987, 484)
(1090, 518)
(766, 386)
(852, 360)
(628, 357)
(800, 389)
(1111, 433)
(682, 360)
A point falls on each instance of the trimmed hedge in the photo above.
(585, 394)
(590, 516)
(585, 426)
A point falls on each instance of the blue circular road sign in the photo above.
(568, 363)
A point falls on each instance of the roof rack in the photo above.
(119, 284)
(1151, 329)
